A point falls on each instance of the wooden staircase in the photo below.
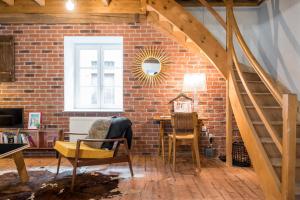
(265, 111)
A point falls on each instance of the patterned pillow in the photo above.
(98, 130)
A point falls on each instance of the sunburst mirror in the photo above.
(149, 67)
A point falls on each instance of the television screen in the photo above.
(11, 118)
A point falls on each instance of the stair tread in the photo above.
(248, 81)
(272, 122)
(249, 72)
(265, 107)
(270, 140)
(276, 162)
(257, 93)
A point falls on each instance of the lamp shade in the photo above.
(194, 82)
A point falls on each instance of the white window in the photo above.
(93, 74)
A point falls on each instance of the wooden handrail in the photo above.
(252, 60)
(214, 13)
(261, 114)
(257, 67)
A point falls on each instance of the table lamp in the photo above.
(194, 82)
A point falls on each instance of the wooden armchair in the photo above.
(80, 154)
(185, 127)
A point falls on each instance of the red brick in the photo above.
(39, 51)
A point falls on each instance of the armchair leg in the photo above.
(130, 166)
(128, 157)
(58, 164)
(73, 177)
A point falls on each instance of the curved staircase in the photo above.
(265, 111)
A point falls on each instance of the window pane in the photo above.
(109, 80)
(109, 95)
(118, 97)
(118, 78)
(88, 77)
(88, 97)
(112, 59)
(88, 58)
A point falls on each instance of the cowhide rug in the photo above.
(43, 185)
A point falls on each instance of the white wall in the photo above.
(272, 32)
(279, 41)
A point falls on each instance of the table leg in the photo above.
(161, 137)
(20, 164)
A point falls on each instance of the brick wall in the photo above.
(40, 78)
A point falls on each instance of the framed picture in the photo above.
(35, 120)
(183, 106)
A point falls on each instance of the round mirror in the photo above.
(151, 66)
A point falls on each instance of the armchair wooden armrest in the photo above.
(116, 141)
(62, 135)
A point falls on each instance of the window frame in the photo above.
(72, 71)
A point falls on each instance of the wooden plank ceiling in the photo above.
(182, 2)
(86, 11)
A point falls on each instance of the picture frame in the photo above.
(34, 120)
(183, 106)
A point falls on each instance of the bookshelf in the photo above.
(40, 139)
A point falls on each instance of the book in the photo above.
(24, 138)
(1, 137)
(19, 139)
(5, 139)
(15, 139)
(10, 139)
(31, 142)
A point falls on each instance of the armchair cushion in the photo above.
(68, 149)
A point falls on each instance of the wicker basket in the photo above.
(240, 155)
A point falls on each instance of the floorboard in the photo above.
(155, 180)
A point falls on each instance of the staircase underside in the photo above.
(188, 30)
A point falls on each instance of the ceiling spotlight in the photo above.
(70, 5)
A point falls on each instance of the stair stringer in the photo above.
(266, 174)
(194, 30)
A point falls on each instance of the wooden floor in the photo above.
(153, 180)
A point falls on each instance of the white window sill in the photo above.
(95, 110)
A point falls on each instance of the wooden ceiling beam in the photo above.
(9, 2)
(106, 2)
(40, 2)
(73, 18)
(82, 7)
(237, 3)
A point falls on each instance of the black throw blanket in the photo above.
(120, 127)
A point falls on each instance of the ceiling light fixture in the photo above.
(70, 5)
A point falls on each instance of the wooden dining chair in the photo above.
(185, 127)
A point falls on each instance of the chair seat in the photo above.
(68, 149)
(183, 136)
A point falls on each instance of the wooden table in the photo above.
(15, 150)
(162, 121)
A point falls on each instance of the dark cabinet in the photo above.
(7, 59)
